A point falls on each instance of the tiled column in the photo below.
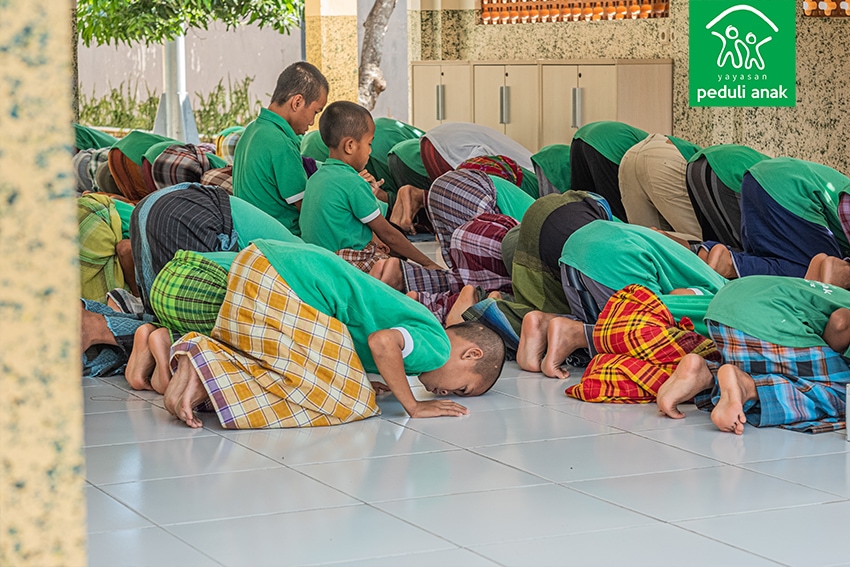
(331, 30)
(42, 509)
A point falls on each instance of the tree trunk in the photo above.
(372, 82)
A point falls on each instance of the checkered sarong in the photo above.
(802, 389)
(364, 260)
(274, 361)
(639, 345)
(225, 146)
(454, 199)
(219, 177)
(99, 232)
(179, 163)
(844, 213)
(500, 166)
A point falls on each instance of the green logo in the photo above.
(743, 53)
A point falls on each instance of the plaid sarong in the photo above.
(456, 198)
(364, 260)
(844, 214)
(219, 177)
(639, 345)
(802, 389)
(99, 232)
(178, 163)
(274, 361)
(225, 146)
(500, 166)
(435, 164)
(85, 164)
(476, 252)
(188, 292)
(128, 175)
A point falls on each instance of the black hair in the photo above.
(343, 119)
(490, 365)
(300, 78)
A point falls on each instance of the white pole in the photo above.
(174, 117)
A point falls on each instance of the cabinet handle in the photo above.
(504, 105)
(441, 102)
(576, 116)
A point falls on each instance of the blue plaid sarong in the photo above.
(802, 389)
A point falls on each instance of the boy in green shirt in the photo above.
(340, 211)
(299, 326)
(267, 168)
(784, 342)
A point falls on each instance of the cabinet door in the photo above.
(457, 87)
(426, 79)
(523, 105)
(488, 80)
(598, 93)
(557, 84)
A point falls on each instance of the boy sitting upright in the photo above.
(340, 211)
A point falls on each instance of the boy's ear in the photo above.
(473, 352)
(348, 145)
(296, 101)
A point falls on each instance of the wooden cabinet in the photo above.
(442, 92)
(538, 103)
(507, 99)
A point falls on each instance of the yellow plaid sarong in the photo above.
(274, 361)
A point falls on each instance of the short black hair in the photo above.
(490, 365)
(343, 119)
(300, 78)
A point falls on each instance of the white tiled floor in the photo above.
(530, 477)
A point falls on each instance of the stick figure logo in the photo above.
(740, 53)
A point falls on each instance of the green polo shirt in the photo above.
(807, 189)
(86, 138)
(611, 139)
(362, 303)
(338, 205)
(510, 199)
(388, 133)
(686, 148)
(617, 255)
(730, 162)
(554, 162)
(136, 143)
(267, 169)
(312, 146)
(251, 223)
(125, 211)
(790, 312)
(409, 154)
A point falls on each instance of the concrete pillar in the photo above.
(331, 35)
(42, 507)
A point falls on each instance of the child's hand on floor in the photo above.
(437, 408)
(380, 388)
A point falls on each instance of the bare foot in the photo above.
(834, 271)
(465, 299)
(409, 201)
(94, 330)
(563, 336)
(532, 340)
(736, 388)
(388, 270)
(414, 295)
(185, 392)
(494, 295)
(691, 377)
(141, 363)
(720, 260)
(160, 346)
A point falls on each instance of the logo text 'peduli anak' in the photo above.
(740, 55)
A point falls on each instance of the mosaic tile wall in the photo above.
(816, 129)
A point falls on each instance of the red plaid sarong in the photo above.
(435, 164)
(476, 252)
(364, 260)
(128, 175)
(184, 163)
(500, 166)
(639, 345)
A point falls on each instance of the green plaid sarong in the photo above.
(188, 292)
(99, 232)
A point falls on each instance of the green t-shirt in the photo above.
(554, 162)
(250, 223)
(223, 259)
(267, 169)
(529, 183)
(337, 206)
(155, 150)
(365, 305)
(730, 162)
(409, 154)
(136, 143)
(611, 139)
(86, 138)
(617, 255)
(510, 199)
(686, 148)
(215, 161)
(388, 133)
(807, 189)
(313, 146)
(125, 211)
(790, 312)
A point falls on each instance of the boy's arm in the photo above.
(376, 186)
(386, 347)
(399, 244)
(837, 331)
